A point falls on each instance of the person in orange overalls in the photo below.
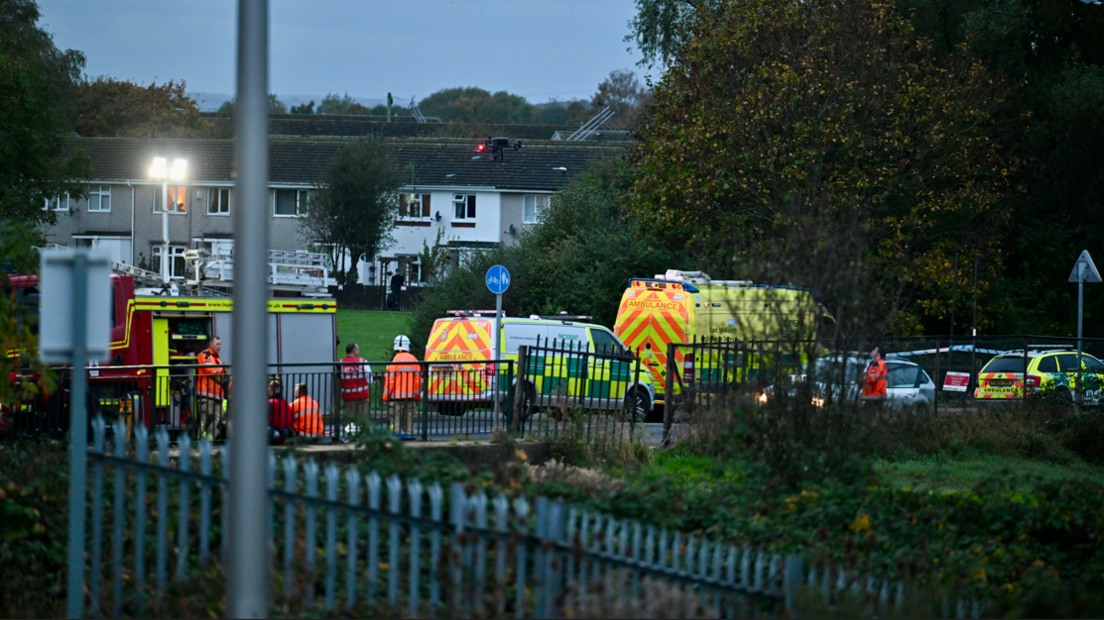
(305, 413)
(209, 392)
(402, 388)
(874, 381)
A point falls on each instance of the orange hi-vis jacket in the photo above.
(874, 383)
(209, 382)
(404, 379)
(356, 378)
(306, 416)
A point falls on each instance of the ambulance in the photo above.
(592, 368)
(688, 306)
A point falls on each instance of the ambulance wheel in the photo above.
(637, 404)
(526, 407)
(453, 409)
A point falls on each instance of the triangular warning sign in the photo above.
(1090, 274)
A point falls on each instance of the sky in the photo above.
(539, 49)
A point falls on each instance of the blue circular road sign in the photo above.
(498, 279)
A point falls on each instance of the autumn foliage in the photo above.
(112, 108)
(783, 127)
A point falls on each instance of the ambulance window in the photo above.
(1093, 365)
(605, 342)
(517, 334)
(569, 336)
(1048, 364)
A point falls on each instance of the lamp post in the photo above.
(161, 170)
(564, 171)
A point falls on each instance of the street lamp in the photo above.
(161, 170)
(564, 171)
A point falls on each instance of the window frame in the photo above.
(539, 206)
(218, 192)
(104, 191)
(463, 206)
(175, 251)
(175, 190)
(302, 196)
(424, 202)
(52, 204)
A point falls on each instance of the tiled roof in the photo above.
(300, 161)
(401, 127)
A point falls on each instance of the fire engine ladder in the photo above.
(305, 272)
(152, 279)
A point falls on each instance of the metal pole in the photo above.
(497, 426)
(248, 558)
(78, 440)
(973, 340)
(1080, 310)
(954, 296)
(165, 231)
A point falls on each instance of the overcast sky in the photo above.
(540, 49)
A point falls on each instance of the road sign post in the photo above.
(498, 280)
(76, 295)
(1083, 271)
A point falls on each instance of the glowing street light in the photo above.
(161, 170)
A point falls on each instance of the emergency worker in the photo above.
(305, 414)
(356, 380)
(874, 381)
(402, 388)
(209, 391)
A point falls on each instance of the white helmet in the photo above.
(402, 343)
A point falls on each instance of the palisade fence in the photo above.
(345, 542)
(567, 387)
(454, 399)
(376, 297)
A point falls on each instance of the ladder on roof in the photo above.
(593, 125)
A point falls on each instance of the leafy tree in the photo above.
(662, 27)
(303, 108)
(475, 105)
(623, 92)
(117, 109)
(786, 129)
(356, 203)
(275, 106)
(336, 104)
(381, 110)
(38, 84)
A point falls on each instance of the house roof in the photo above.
(300, 161)
(399, 127)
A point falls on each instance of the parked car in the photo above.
(908, 385)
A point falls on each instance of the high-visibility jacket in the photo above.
(306, 416)
(356, 378)
(874, 382)
(209, 381)
(404, 379)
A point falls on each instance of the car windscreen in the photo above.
(1004, 363)
(903, 376)
(1093, 365)
(828, 370)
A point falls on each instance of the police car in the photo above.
(592, 369)
(1053, 371)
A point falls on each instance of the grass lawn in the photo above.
(373, 330)
(964, 472)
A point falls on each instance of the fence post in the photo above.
(792, 580)
(1023, 377)
(339, 402)
(519, 386)
(669, 393)
(425, 402)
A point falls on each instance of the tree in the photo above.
(661, 27)
(117, 109)
(275, 106)
(38, 85)
(335, 104)
(475, 105)
(623, 92)
(356, 203)
(784, 128)
(303, 108)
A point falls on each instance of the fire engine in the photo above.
(158, 332)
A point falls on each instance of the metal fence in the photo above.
(451, 400)
(348, 541)
(376, 297)
(566, 386)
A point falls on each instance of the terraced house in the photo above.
(454, 196)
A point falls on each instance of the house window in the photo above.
(290, 202)
(532, 207)
(99, 198)
(178, 199)
(218, 201)
(464, 206)
(414, 205)
(177, 266)
(58, 203)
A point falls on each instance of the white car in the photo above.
(907, 385)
